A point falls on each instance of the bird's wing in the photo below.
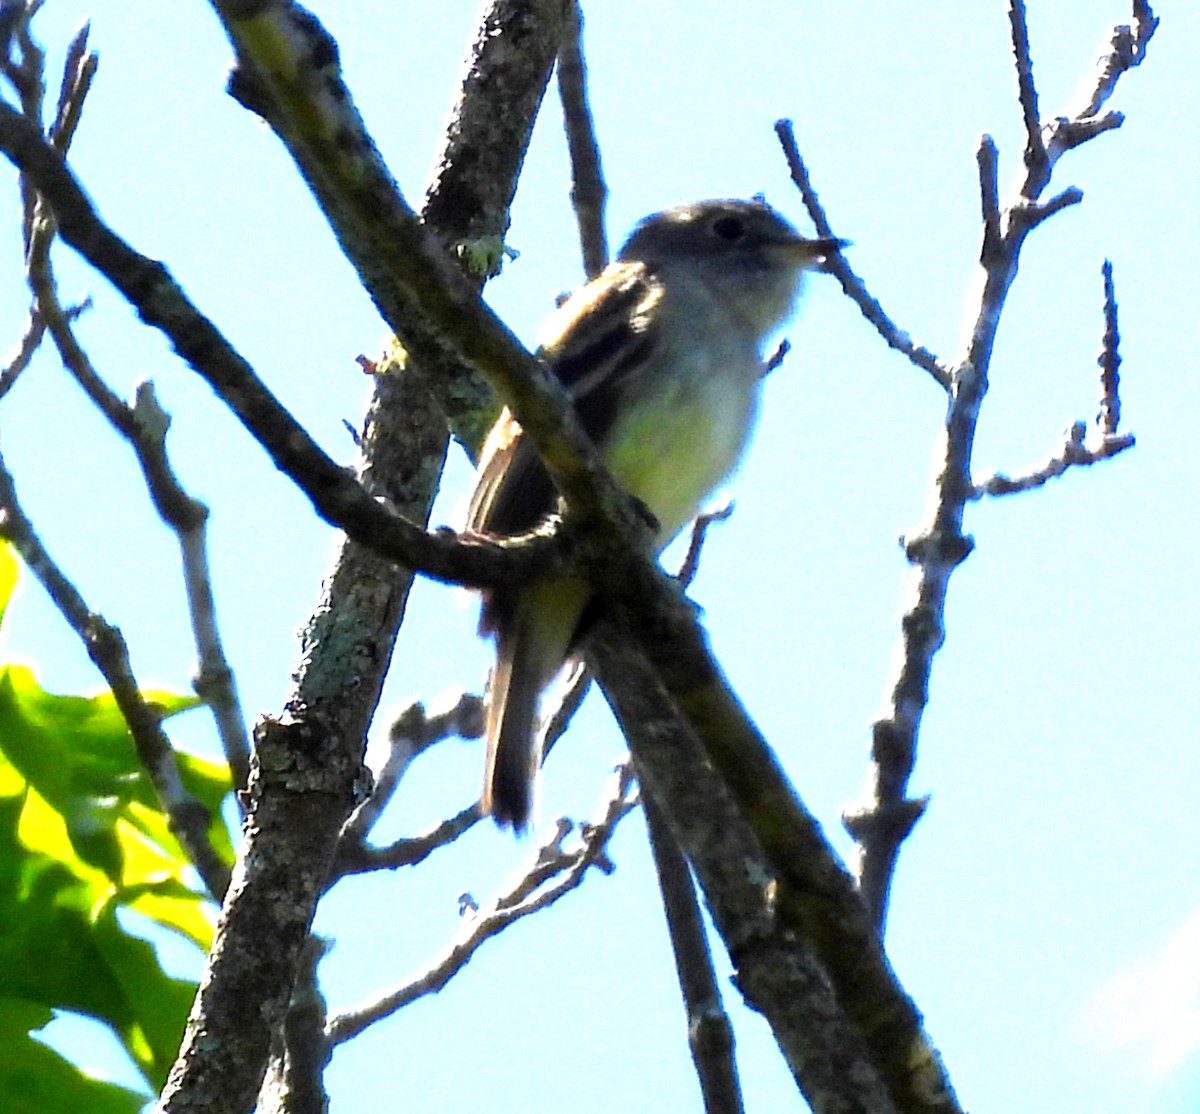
(595, 343)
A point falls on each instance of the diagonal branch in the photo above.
(854, 287)
(804, 954)
(162, 303)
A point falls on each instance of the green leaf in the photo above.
(34, 1079)
(62, 948)
(81, 837)
(61, 944)
(77, 753)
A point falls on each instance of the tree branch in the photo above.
(854, 287)
(310, 765)
(758, 903)
(161, 303)
(188, 818)
(588, 190)
(886, 815)
(710, 1032)
(557, 871)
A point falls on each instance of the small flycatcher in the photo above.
(663, 357)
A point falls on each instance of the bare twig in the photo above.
(412, 732)
(1032, 213)
(691, 561)
(25, 73)
(886, 816)
(853, 286)
(556, 871)
(1126, 49)
(710, 1033)
(1035, 147)
(188, 818)
(588, 190)
(214, 681)
(18, 360)
(79, 69)
(358, 858)
(987, 156)
(1072, 452)
(1076, 448)
(1108, 417)
(776, 358)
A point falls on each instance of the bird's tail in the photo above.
(532, 644)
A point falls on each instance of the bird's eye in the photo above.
(729, 229)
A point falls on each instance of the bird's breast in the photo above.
(681, 434)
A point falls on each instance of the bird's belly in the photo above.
(675, 446)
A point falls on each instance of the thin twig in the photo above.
(1108, 416)
(710, 1033)
(1075, 449)
(79, 70)
(25, 73)
(413, 731)
(691, 561)
(556, 871)
(1035, 147)
(18, 361)
(851, 284)
(1072, 452)
(987, 156)
(1126, 49)
(588, 190)
(1031, 214)
(27, 76)
(187, 817)
(359, 858)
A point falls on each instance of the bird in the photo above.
(662, 355)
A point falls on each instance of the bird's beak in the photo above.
(813, 253)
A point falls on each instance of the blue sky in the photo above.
(1045, 915)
